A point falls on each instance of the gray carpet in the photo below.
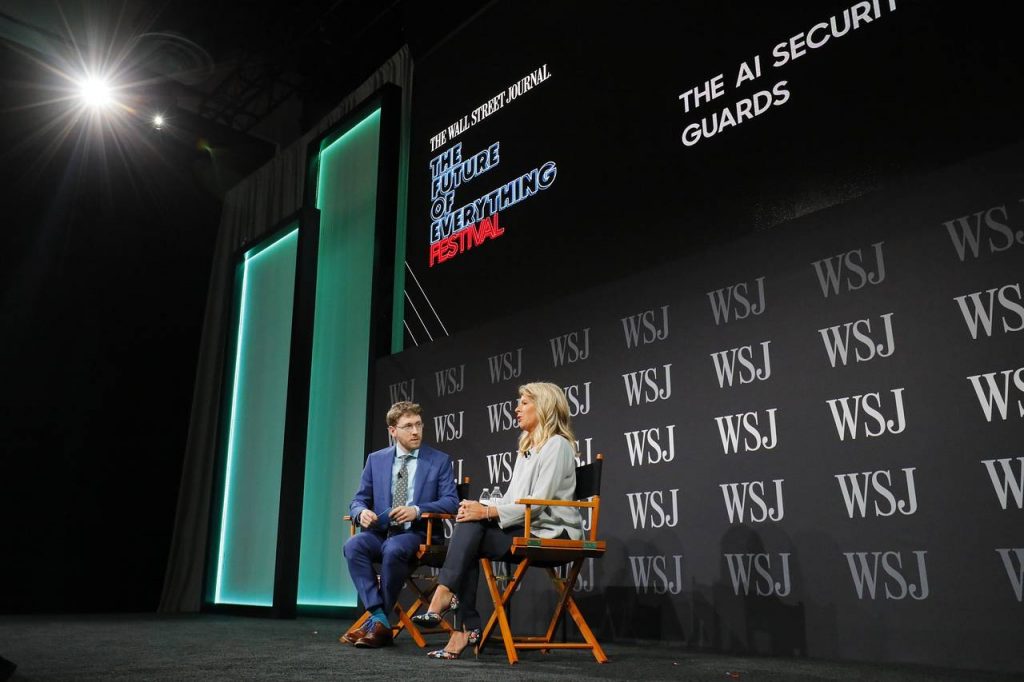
(151, 647)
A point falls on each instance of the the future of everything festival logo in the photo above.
(458, 226)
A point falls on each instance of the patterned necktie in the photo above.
(402, 484)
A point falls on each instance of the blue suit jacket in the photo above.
(434, 491)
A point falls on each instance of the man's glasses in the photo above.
(410, 428)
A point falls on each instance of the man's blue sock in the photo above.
(377, 614)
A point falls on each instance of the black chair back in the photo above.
(588, 479)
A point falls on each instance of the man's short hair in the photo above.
(402, 408)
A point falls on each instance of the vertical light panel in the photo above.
(347, 197)
(247, 544)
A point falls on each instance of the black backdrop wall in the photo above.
(813, 433)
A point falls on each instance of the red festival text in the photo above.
(465, 239)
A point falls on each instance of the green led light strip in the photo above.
(346, 194)
(256, 413)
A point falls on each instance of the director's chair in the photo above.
(431, 554)
(550, 554)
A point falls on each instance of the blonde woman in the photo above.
(545, 468)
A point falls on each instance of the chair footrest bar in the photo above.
(554, 645)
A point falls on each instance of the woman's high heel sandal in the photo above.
(445, 655)
(432, 619)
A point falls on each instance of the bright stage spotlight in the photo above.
(95, 92)
(158, 121)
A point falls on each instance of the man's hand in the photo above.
(403, 514)
(367, 518)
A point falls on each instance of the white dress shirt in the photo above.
(410, 470)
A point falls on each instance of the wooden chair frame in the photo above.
(547, 554)
(430, 554)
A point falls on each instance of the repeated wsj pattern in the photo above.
(720, 409)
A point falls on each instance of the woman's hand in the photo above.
(471, 510)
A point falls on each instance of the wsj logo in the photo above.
(1005, 481)
(865, 347)
(450, 381)
(568, 348)
(846, 413)
(730, 425)
(995, 397)
(448, 427)
(645, 327)
(743, 566)
(648, 385)
(734, 301)
(726, 365)
(657, 573)
(501, 416)
(584, 579)
(505, 366)
(858, 488)
(865, 574)
(579, 403)
(587, 516)
(457, 470)
(583, 451)
(651, 508)
(403, 390)
(832, 278)
(649, 446)
(736, 501)
(980, 315)
(1014, 573)
(966, 235)
(499, 467)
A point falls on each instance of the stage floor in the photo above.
(154, 647)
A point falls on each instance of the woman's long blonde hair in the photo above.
(552, 415)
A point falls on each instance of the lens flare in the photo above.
(95, 92)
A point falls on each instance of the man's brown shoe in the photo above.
(375, 636)
(354, 634)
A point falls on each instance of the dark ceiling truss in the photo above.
(248, 95)
(264, 79)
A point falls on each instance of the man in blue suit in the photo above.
(398, 485)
